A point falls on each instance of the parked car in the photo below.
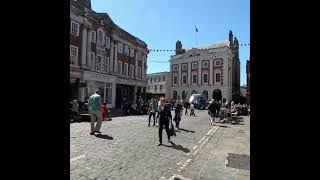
(198, 100)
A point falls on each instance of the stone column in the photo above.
(136, 65)
(115, 58)
(142, 67)
(199, 73)
(179, 74)
(111, 57)
(81, 94)
(211, 72)
(84, 46)
(89, 46)
(104, 92)
(189, 73)
(114, 94)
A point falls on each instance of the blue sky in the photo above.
(161, 23)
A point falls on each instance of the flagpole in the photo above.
(196, 36)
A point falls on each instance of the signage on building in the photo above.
(75, 74)
(98, 77)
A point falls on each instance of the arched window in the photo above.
(174, 95)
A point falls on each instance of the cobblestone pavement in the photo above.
(127, 149)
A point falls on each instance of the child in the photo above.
(105, 112)
(192, 110)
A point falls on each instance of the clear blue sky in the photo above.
(161, 23)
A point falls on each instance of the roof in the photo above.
(158, 73)
(213, 46)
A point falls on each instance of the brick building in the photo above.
(206, 68)
(104, 56)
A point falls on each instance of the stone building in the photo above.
(206, 68)
(104, 56)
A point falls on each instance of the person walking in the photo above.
(186, 106)
(152, 111)
(212, 111)
(177, 111)
(75, 110)
(192, 110)
(95, 103)
(164, 115)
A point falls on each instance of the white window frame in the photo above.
(132, 70)
(93, 37)
(194, 65)
(184, 65)
(125, 69)
(76, 57)
(139, 72)
(98, 64)
(92, 60)
(107, 42)
(184, 75)
(103, 65)
(131, 52)
(119, 67)
(120, 48)
(175, 67)
(126, 51)
(107, 64)
(203, 64)
(77, 28)
(217, 61)
(100, 39)
(175, 83)
(217, 78)
(193, 79)
(203, 78)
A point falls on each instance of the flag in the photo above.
(196, 29)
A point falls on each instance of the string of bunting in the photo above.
(167, 50)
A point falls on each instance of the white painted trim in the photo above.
(78, 29)
(77, 55)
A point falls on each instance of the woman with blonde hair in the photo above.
(164, 115)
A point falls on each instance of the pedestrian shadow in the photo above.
(224, 126)
(177, 130)
(177, 147)
(186, 130)
(104, 136)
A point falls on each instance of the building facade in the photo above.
(248, 82)
(103, 56)
(205, 69)
(158, 85)
(243, 91)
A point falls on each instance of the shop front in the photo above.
(74, 84)
(129, 90)
(104, 83)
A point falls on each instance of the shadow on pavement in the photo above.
(104, 136)
(186, 130)
(177, 147)
(224, 126)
